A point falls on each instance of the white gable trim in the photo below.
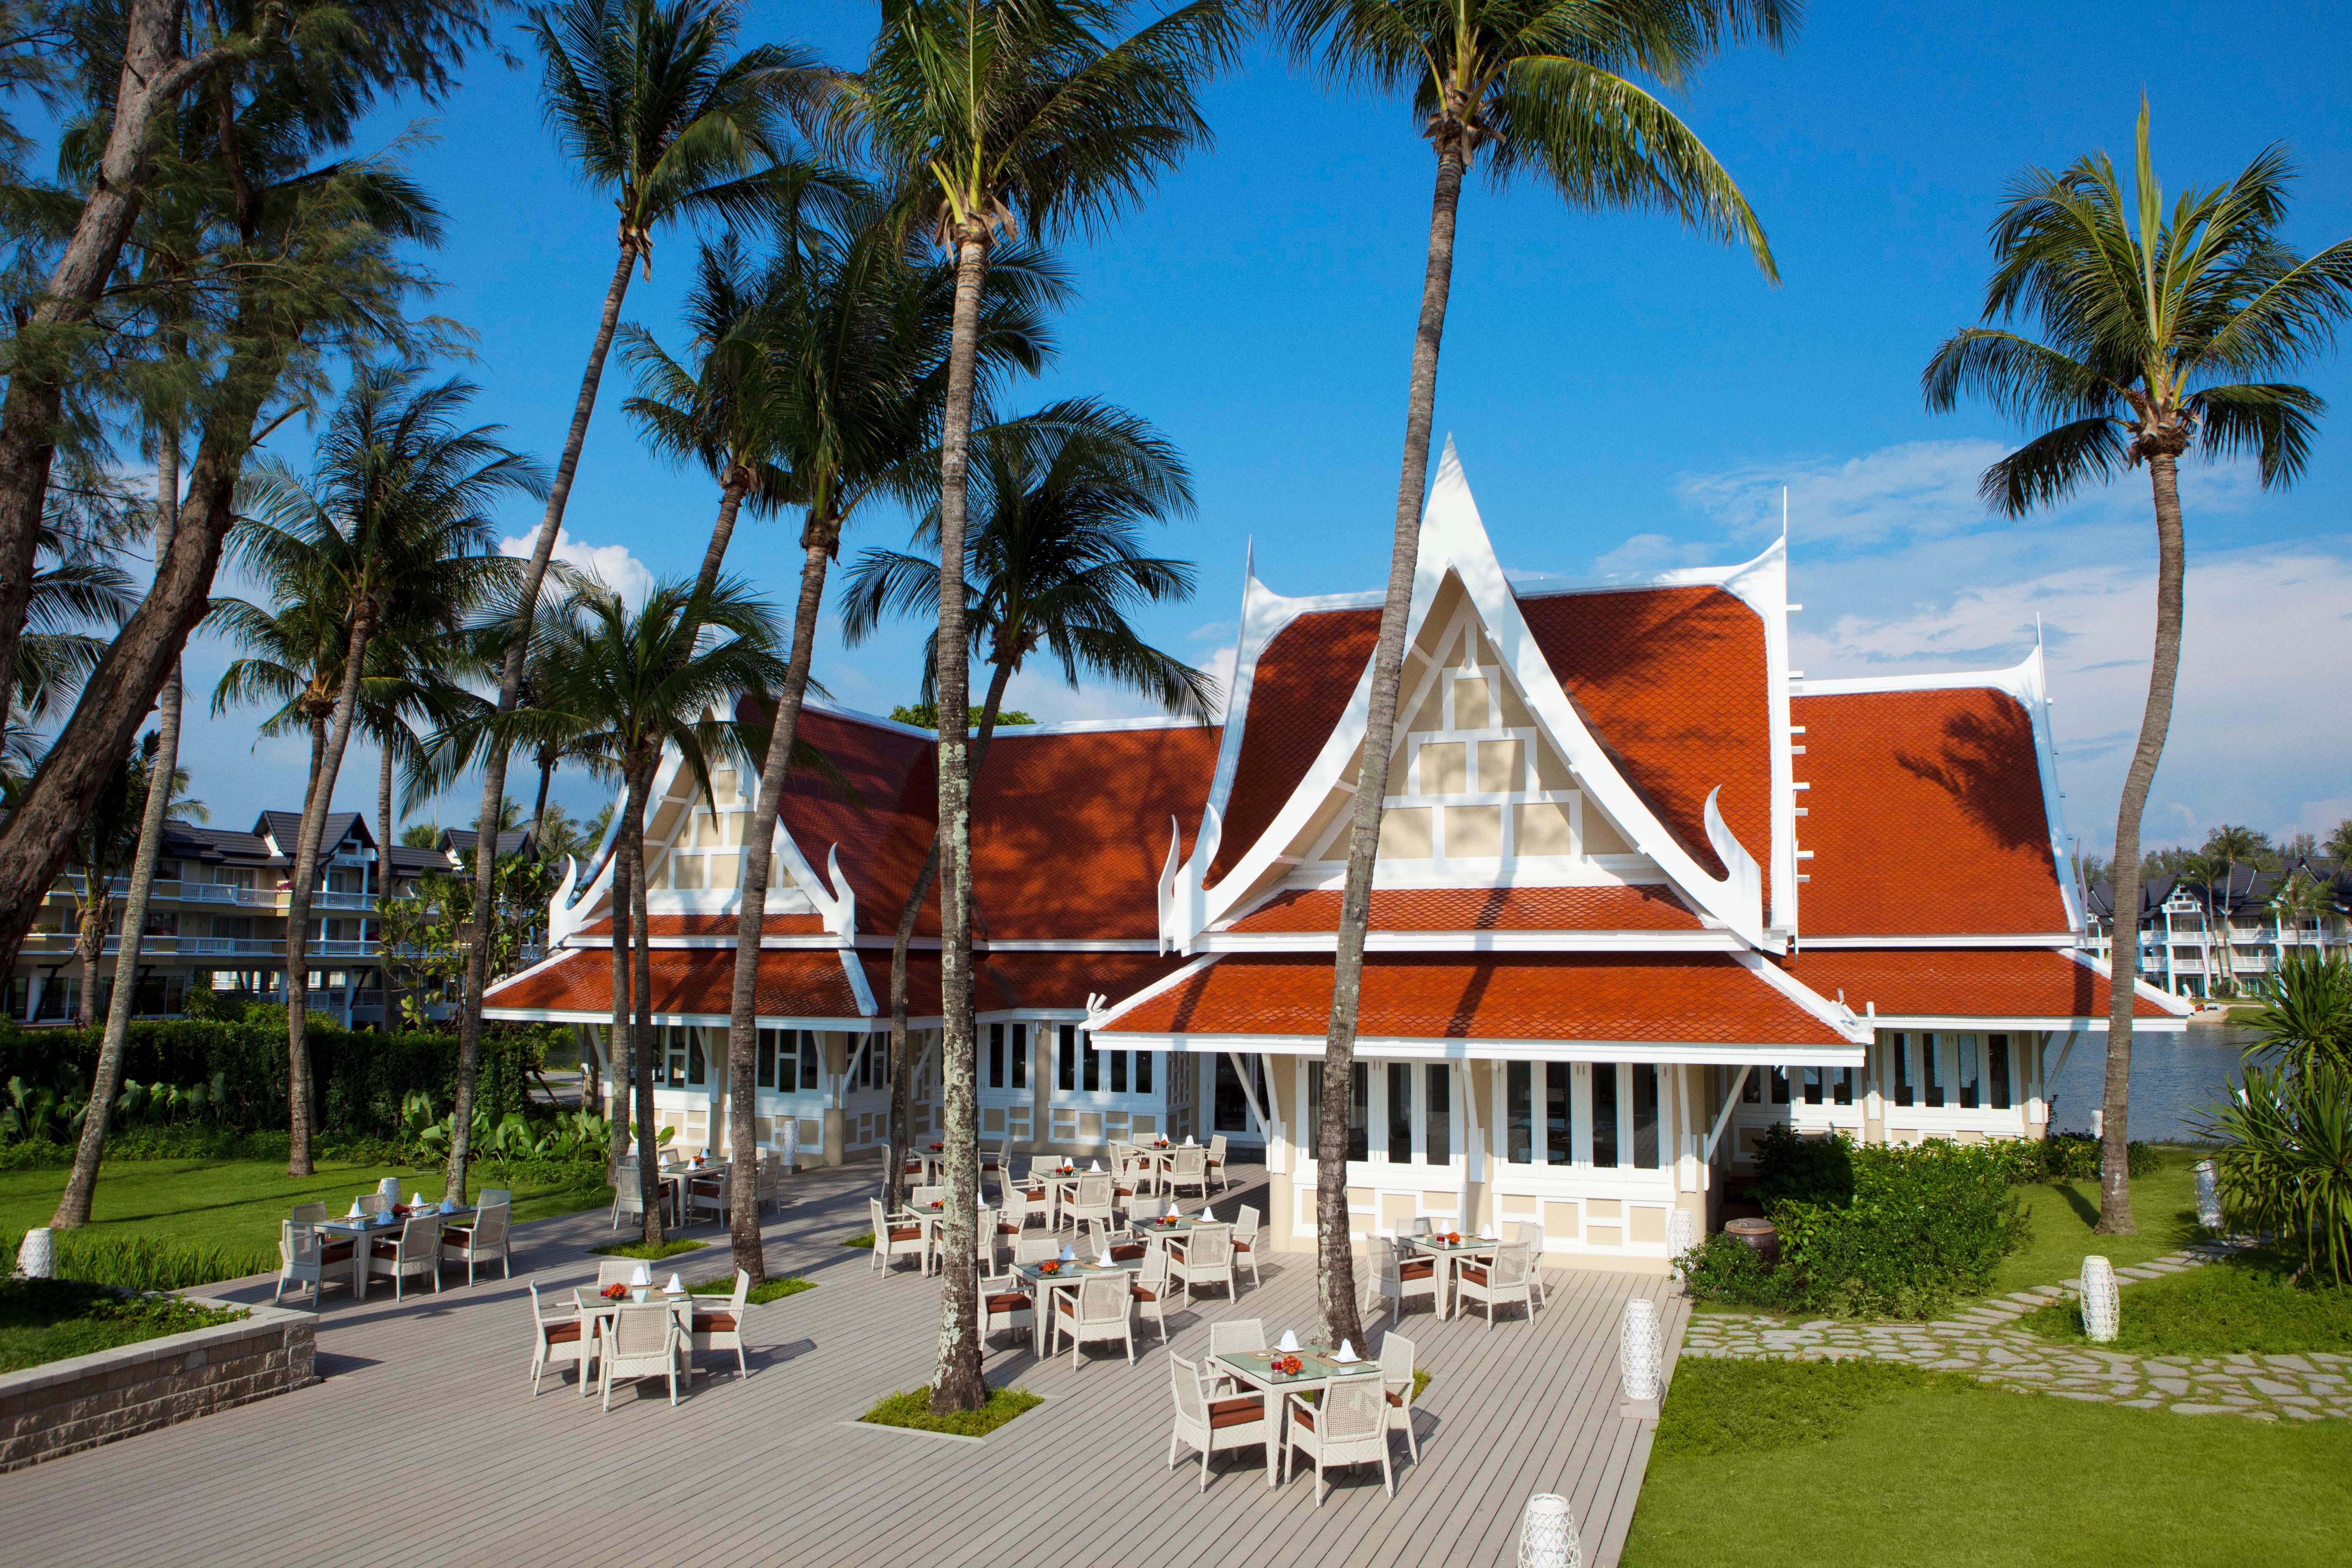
(1454, 540)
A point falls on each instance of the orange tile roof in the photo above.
(1059, 980)
(884, 832)
(1480, 909)
(1302, 682)
(1069, 831)
(793, 983)
(923, 983)
(1964, 983)
(1672, 682)
(713, 925)
(1924, 817)
(1703, 997)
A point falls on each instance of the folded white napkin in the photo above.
(356, 1210)
(416, 1200)
(674, 1288)
(1104, 1260)
(1094, 1165)
(1068, 1255)
(1289, 1341)
(640, 1276)
(449, 1205)
(1188, 1141)
(1346, 1351)
(1208, 1215)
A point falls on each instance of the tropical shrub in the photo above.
(147, 1262)
(2075, 1156)
(2307, 1017)
(1871, 1229)
(2285, 1162)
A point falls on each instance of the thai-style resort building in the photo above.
(1644, 891)
(2228, 936)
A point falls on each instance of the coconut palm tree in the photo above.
(625, 685)
(2150, 321)
(1057, 562)
(2226, 848)
(1541, 88)
(1008, 115)
(857, 326)
(652, 109)
(393, 534)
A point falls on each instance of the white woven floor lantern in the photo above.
(37, 1258)
(2209, 1196)
(2102, 1306)
(1547, 1534)
(1678, 1237)
(791, 1143)
(1641, 1351)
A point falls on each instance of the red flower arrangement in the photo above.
(1049, 1267)
(1168, 1219)
(1453, 1239)
(936, 1203)
(1289, 1365)
(937, 1147)
(614, 1292)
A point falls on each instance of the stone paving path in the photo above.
(1983, 1342)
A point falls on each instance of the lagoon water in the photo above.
(2173, 1076)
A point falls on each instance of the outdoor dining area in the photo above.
(692, 1187)
(623, 1329)
(384, 1237)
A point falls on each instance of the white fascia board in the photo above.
(1096, 1020)
(1038, 1015)
(1836, 1015)
(1044, 944)
(2164, 999)
(1477, 941)
(1454, 540)
(2011, 1021)
(1701, 1051)
(1062, 727)
(856, 970)
(552, 1015)
(2060, 938)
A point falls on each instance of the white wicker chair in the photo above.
(1204, 1255)
(558, 1339)
(1213, 1424)
(1095, 1200)
(1396, 1378)
(1024, 1205)
(373, 1203)
(308, 1213)
(1191, 1170)
(616, 1271)
(984, 1239)
(1150, 1289)
(706, 1194)
(1395, 1277)
(1503, 1280)
(1245, 1241)
(1531, 1233)
(1036, 1249)
(1100, 1311)
(923, 1198)
(896, 1241)
(483, 1241)
(1217, 1171)
(1005, 1301)
(304, 1260)
(628, 1199)
(645, 1344)
(417, 1251)
(722, 1328)
(770, 1182)
(493, 1196)
(1349, 1427)
(1234, 1335)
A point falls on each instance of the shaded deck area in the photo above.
(423, 1443)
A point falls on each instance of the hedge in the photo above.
(358, 1078)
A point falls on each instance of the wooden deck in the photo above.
(423, 1442)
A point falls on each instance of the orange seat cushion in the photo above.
(714, 1323)
(1238, 1412)
(905, 1233)
(562, 1333)
(1140, 1294)
(1303, 1417)
(1425, 1269)
(1396, 1399)
(1127, 1254)
(456, 1238)
(1241, 1246)
(1064, 1305)
(1011, 1301)
(336, 1252)
(1475, 1274)
(384, 1249)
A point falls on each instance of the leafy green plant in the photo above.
(2074, 1157)
(47, 1112)
(147, 1262)
(776, 1288)
(912, 1407)
(651, 1253)
(2306, 1015)
(44, 1321)
(2285, 1162)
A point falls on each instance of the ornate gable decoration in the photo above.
(1496, 780)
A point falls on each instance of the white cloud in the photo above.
(610, 564)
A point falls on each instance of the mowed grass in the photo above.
(2246, 1303)
(236, 1204)
(1766, 1463)
(2164, 1205)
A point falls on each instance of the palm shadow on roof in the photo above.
(1978, 764)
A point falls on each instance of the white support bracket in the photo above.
(1723, 1118)
(1249, 1092)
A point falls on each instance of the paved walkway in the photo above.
(1983, 1342)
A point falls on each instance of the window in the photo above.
(1089, 1063)
(788, 1060)
(808, 1060)
(1119, 1072)
(1780, 1086)
(1438, 1109)
(1898, 1045)
(1604, 1112)
(1843, 1090)
(1359, 1108)
(1019, 1055)
(1645, 1116)
(1997, 1070)
(695, 1066)
(767, 1064)
(1066, 1072)
(1751, 1088)
(1558, 1147)
(1931, 1070)
(1400, 1113)
(1143, 1072)
(1518, 1112)
(1965, 1074)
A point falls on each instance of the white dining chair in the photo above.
(483, 1241)
(1348, 1427)
(1216, 1167)
(305, 1258)
(1094, 1201)
(1531, 1234)
(894, 1241)
(1395, 1277)
(1103, 1311)
(721, 1328)
(1005, 1301)
(416, 1251)
(645, 1344)
(1234, 1335)
(558, 1339)
(1191, 1170)
(1503, 1280)
(1396, 1379)
(1213, 1424)
(1150, 1289)
(1245, 1241)
(1204, 1255)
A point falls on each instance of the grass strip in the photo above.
(43, 1321)
(774, 1291)
(912, 1407)
(2248, 1302)
(650, 1254)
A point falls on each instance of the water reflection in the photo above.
(2173, 1076)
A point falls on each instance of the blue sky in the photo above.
(1626, 394)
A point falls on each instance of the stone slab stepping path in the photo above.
(1982, 1341)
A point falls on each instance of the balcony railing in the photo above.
(169, 891)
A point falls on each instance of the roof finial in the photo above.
(1249, 559)
(1784, 514)
(1451, 462)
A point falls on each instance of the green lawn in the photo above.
(1763, 1463)
(237, 1204)
(2062, 1213)
(2246, 1303)
(51, 1319)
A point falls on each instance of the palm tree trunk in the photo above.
(81, 1186)
(731, 501)
(641, 1033)
(539, 803)
(298, 898)
(2164, 673)
(494, 759)
(152, 79)
(901, 1068)
(957, 1384)
(759, 848)
(383, 885)
(619, 1054)
(1337, 1315)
